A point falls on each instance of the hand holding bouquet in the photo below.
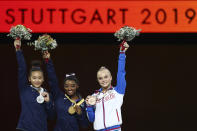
(44, 43)
(126, 33)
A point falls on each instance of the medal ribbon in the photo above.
(74, 102)
(41, 90)
(40, 98)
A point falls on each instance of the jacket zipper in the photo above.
(117, 115)
(103, 112)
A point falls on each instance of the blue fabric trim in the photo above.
(112, 127)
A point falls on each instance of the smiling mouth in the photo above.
(70, 92)
(36, 84)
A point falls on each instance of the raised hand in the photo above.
(46, 55)
(125, 47)
(17, 44)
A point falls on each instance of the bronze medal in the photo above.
(92, 100)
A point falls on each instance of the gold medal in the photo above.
(71, 110)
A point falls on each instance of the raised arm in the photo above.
(121, 82)
(52, 78)
(22, 69)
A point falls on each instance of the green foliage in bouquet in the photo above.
(20, 32)
(126, 33)
(44, 43)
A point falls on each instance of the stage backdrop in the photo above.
(99, 16)
(161, 81)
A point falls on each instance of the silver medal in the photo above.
(40, 98)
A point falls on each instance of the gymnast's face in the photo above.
(104, 78)
(70, 87)
(36, 78)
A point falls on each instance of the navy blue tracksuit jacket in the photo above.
(33, 115)
(65, 121)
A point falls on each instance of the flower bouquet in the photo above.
(44, 43)
(19, 32)
(126, 33)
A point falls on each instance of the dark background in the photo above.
(161, 77)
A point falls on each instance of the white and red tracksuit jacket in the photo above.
(106, 114)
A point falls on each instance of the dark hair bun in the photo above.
(71, 76)
(35, 66)
(36, 63)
